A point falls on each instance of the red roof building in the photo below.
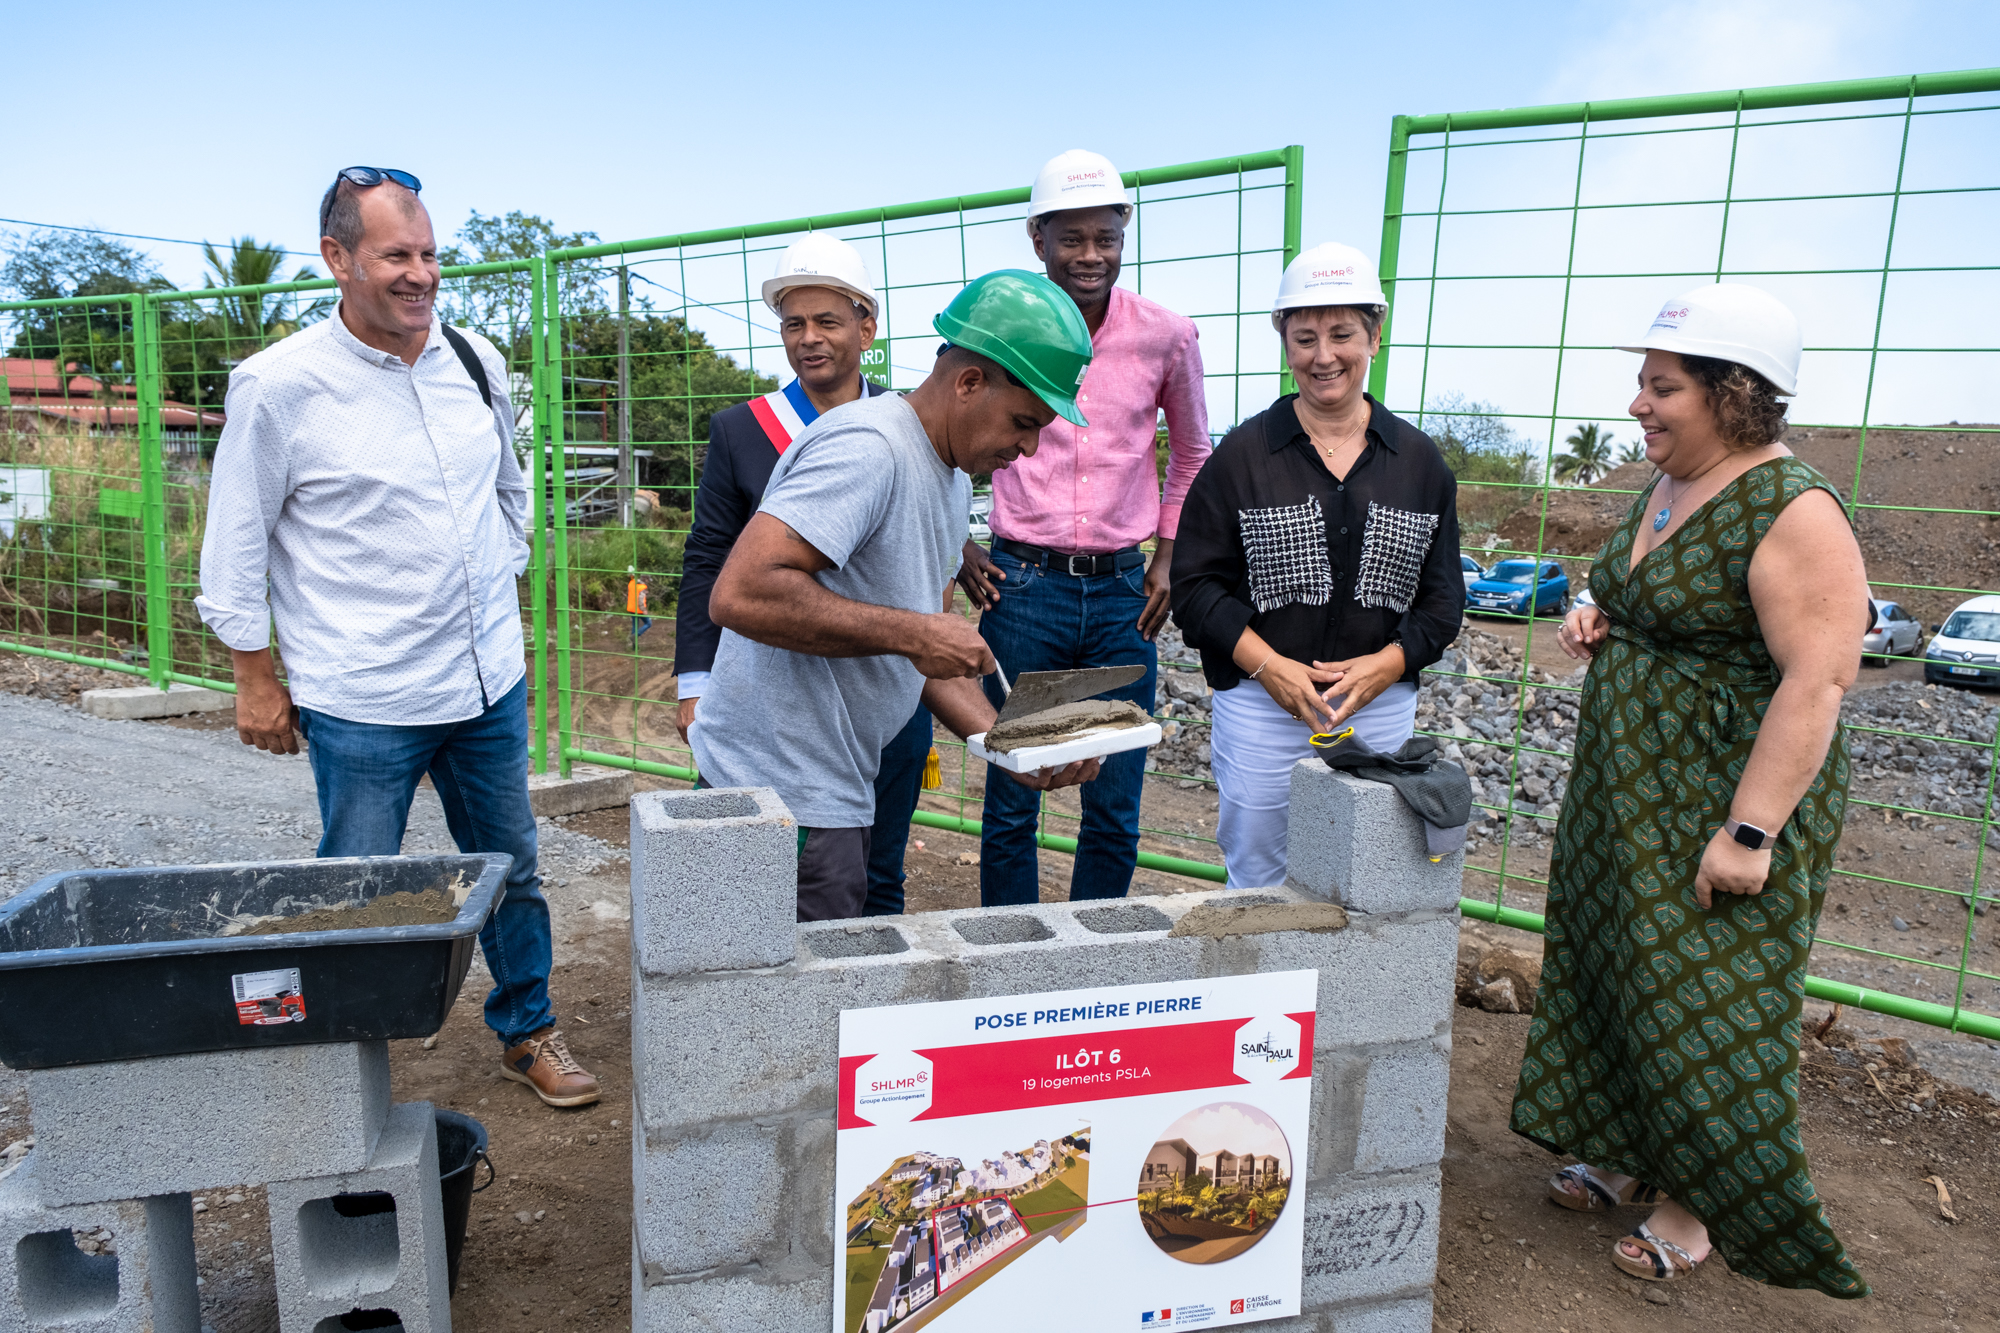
(39, 391)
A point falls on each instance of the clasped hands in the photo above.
(1308, 692)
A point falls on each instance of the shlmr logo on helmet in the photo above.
(1097, 175)
(1347, 272)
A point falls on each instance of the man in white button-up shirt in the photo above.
(366, 478)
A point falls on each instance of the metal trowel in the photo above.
(1036, 691)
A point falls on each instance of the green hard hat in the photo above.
(1030, 326)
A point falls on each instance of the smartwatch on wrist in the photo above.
(1749, 835)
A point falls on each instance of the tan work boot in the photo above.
(545, 1064)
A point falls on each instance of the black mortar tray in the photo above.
(100, 965)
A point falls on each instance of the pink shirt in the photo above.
(1093, 489)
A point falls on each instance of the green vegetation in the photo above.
(1493, 464)
(1589, 455)
(1200, 1200)
(1053, 1202)
(864, 1267)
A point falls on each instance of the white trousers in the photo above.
(1253, 745)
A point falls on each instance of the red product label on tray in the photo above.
(267, 998)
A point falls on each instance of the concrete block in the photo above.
(712, 1197)
(1411, 1316)
(371, 1239)
(145, 1284)
(136, 1128)
(134, 702)
(730, 1304)
(1380, 982)
(1371, 1238)
(764, 1042)
(1403, 1107)
(588, 787)
(1357, 844)
(714, 880)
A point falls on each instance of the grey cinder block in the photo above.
(588, 787)
(679, 1214)
(1379, 982)
(714, 880)
(1371, 1237)
(146, 1284)
(333, 1252)
(1403, 1107)
(1356, 843)
(135, 1128)
(1408, 1316)
(130, 702)
(735, 1304)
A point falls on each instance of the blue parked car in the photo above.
(1521, 587)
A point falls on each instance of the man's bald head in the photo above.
(348, 205)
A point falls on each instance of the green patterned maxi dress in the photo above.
(1665, 1041)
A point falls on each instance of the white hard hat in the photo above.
(819, 260)
(1330, 274)
(1077, 179)
(1731, 321)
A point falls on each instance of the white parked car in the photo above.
(982, 511)
(1897, 633)
(1966, 648)
(1474, 571)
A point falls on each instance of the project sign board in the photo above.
(1119, 1157)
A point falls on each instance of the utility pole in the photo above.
(624, 397)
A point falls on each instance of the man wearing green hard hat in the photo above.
(835, 602)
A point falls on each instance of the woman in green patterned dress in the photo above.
(1698, 834)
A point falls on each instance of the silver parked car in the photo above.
(1474, 571)
(1896, 633)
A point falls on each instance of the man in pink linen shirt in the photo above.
(1066, 585)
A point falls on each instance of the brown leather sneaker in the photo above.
(545, 1064)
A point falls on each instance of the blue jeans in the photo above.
(1049, 621)
(897, 787)
(366, 774)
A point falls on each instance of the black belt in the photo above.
(1061, 562)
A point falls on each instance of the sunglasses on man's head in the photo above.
(361, 178)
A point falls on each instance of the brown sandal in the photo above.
(1597, 1196)
(1664, 1261)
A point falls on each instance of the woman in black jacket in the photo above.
(1317, 567)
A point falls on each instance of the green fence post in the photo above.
(1295, 190)
(538, 516)
(549, 325)
(1392, 245)
(152, 491)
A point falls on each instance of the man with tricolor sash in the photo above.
(826, 308)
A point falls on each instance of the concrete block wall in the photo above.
(757, 1012)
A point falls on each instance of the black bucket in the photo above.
(461, 1145)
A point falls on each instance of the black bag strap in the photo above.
(473, 365)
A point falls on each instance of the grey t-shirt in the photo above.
(865, 487)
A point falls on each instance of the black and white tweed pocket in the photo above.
(1285, 548)
(1393, 547)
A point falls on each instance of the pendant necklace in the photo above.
(1666, 514)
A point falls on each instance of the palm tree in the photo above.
(1633, 451)
(1589, 455)
(259, 317)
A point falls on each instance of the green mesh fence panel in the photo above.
(646, 340)
(1524, 245)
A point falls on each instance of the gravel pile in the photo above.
(1474, 698)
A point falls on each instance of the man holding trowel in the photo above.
(835, 600)
(826, 306)
(1066, 585)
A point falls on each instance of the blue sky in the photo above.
(213, 120)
